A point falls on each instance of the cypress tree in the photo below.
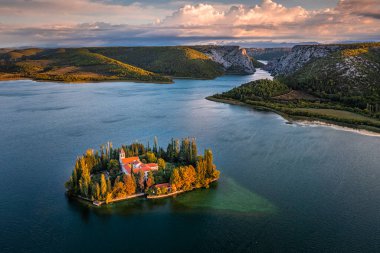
(103, 186)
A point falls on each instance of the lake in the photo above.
(283, 188)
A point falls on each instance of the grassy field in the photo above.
(338, 114)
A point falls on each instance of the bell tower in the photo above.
(121, 154)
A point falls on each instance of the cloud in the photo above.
(350, 19)
(99, 23)
(42, 12)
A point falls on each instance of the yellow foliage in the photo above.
(354, 52)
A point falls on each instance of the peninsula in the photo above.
(336, 84)
(135, 170)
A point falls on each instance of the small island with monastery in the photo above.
(115, 174)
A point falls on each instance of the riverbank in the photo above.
(20, 78)
(310, 120)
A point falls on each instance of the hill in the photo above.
(147, 64)
(70, 65)
(297, 105)
(344, 73)
(173, 61)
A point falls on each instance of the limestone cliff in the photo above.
(234, 60)
(344, 72)
(298, 57)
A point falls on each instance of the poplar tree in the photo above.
(103, 186)
(155, 145)
(140, 181)
(175, 180)
(97, 191)
(109, 186)
(149, 180)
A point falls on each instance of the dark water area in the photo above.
(283, 188)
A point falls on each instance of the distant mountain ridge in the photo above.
(267, 54)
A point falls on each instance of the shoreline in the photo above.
(177, 192)
(165, 195)
(82, 82)
(20, 78)
(308, 121)
(320, 123)
(98, 203)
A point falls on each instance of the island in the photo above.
(136, 170)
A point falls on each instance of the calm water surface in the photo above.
(283, 188)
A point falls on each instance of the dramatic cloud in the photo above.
(85, 22)
(348, 20)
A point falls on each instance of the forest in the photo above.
(272, 95)
(97, 175)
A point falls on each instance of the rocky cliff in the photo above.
(233, 59)
(298, 57)
(348, 73)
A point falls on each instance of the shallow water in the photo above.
(283, 188)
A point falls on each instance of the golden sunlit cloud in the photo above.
(83, 21)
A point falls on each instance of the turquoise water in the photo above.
(283, 188)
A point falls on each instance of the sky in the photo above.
(66, 23)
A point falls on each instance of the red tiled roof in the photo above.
(135, 160)
(130, 159)
(162, 185)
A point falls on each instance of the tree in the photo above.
(103, 186)
(209, 165)
(109, 186)
(175, 180)
(70, 185)
(113, 167)
(188, 177)
(151, 157)
(97, 191)
(155, 145)
(194, 151)
(118, 190)
(161, 163)
(140, 180)
(93, 191)
(108, 197)
(149, 180)
(81, 189)
(129, 184)
(201, 173)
